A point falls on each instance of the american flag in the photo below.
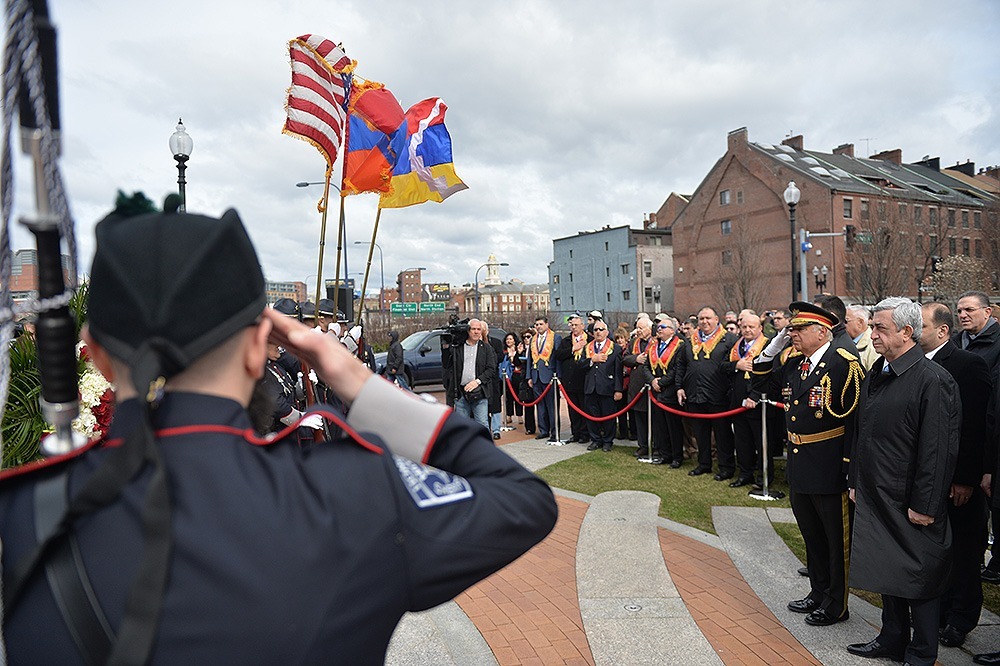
(317, 98)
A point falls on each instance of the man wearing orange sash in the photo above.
(602, 385)
(542, 367)
(667, 429)
(747, 430)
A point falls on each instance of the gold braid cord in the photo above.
(855, 374)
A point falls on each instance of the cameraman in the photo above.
(474, 365)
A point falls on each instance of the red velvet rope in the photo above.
(534, 402)
(719, 415)
(589, 417)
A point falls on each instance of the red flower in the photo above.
(84, 356)
(103, 412)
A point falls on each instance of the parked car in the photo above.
(422, 356)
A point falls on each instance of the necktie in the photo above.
(804, 368)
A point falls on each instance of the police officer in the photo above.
(820, 384)
(202, 543)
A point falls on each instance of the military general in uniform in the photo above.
(820, 385)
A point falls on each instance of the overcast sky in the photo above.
(564, 116)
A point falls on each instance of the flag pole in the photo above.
(368, 266)
(324, 204)
(343, 220)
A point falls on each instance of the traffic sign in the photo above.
(404, 309)
(431, 306)
(863, 237)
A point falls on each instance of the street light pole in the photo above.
(381, 270)
(181, 146)
(792, 195)
(819, 276)
(475, 284)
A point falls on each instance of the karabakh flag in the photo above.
(317, 98)
(424, 170)
(373, 142)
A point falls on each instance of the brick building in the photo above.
(887, 220)
(514, 297)
(24, 273)
(408, 285)
(294, 290)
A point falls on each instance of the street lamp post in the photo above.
(819, 276)
(792, 195)
(181, 146)
(381, 270)
(476, 283)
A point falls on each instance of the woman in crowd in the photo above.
(524, 391)
(514, 365)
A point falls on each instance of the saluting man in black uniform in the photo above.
(205, 544)
(820, 384)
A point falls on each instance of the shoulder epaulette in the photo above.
(846, 354)
(789, 352)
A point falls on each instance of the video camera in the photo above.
(455, 333)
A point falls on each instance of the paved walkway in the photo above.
(615, 584)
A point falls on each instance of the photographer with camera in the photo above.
(472, 365)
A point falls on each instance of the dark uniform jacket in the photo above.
(705, 380)
(605, 377)
(820, 415)
(668, 375)
(742, 380)
(285, 554)
(570, 372)
(907, 444)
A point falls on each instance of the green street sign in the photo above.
(863, 237)
(428, 307)
(403, 309)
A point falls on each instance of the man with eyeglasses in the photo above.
(602, 385)
(980, 334)
(820, 386)
(667, 434)
(542, 366)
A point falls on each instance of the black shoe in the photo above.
(593, 446)
(542, 435)
(806, 605)
(659, 461)
(583, 440)
(722, 477)
(875, 650)
(951, 637)
(804, 571)
(607, 447)
(641, 453)
(529, 432)
(675, 464)
(698, 471)
(739, 483)
(990, 576)
(758, 487)
(990, 658)
(496, 435)
(820, 618)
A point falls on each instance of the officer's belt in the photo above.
(812, 438)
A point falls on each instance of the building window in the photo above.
(951, 247)
(919, 247)
(609, 297)
(848, 209)
(571, 299)
(655, 240)
(724, 198)
(649, 292)
(864, 209)
(965, 219)
(625, 269)
(607, 271)
(605, 246)
(979, 249)
(729, 293)
(647, 268)
(977, 220)
(902, 211)
(739, 196)
(965, 246)
(571, 254)
(933, 216)
(849, 278)
(727, 257)
(918, 215)
(626, 295)
(933, 247)
(951, 217)
(555, 279)
(570, 277)
(727, 227)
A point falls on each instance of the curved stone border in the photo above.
(631, 611)
(441, 636)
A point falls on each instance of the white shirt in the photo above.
(816, 356)
(931, 353)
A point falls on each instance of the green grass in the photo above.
(685, 499)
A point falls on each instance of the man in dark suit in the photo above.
(542, 366)
(571, 374)
(602, 385)
(962, 602)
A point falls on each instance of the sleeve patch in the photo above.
(430, 487)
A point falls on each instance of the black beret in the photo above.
(166, 288)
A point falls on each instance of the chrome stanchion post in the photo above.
(556, 421)
(648, 458)
(765, 493)
(503, 403)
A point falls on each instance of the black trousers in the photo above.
(642, 431)
(724, 444)
(668, 434)
(601, 432)
(899, 616)
(577, 423)
(825, 525)
(962, 602)
(748, 434)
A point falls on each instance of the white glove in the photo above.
(312, 376)
(291, 417)
(774, 347)
(314, 421)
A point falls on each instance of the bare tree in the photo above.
(742, 276)
(883, 249)
(991, 240)
(959, 274)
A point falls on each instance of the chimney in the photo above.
(930, 163)
(652, 221)
(969, 168)
(737, 138)
(991, 172)
(844, 149)
(793, 142)
(895, 156)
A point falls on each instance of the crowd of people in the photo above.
(885, 416)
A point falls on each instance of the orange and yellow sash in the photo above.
(546, 353)
(708, 346)
(755, 349)
(592, 347)
(661, 361)
(579, 352)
